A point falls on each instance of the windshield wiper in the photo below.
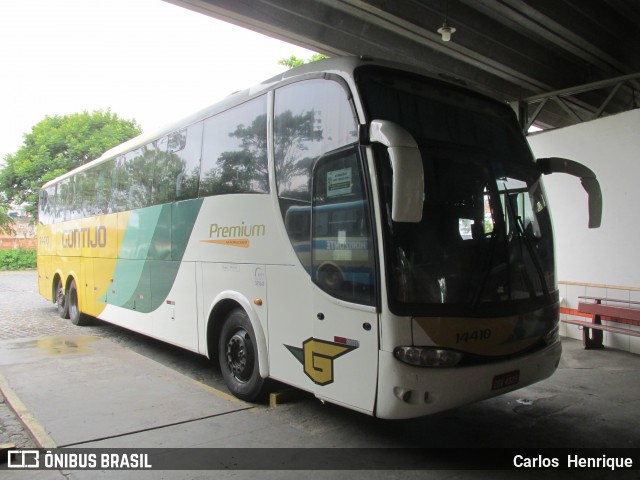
(499, 232)
(524, 238)
(486, 270)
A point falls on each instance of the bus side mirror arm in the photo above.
(406, 163)
(587, 177)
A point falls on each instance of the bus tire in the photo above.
(61, 299)
(238, 357)
(76, 316)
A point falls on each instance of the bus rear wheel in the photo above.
(61, 299)
(238, 357)
(76, 316)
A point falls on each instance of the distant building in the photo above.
(24, 230)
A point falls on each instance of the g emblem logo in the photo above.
(317, 357)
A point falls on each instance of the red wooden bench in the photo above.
(621, 312)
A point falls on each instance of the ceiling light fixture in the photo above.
(446, 31)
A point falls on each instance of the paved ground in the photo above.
(593, 400)
(25, 314)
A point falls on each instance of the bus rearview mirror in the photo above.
(406, 163)
(587, 178)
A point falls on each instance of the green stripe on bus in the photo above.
(145, 284)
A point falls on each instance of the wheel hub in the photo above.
(240, 356)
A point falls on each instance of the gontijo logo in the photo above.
(234, 235)
(317, 357)
(85, 237)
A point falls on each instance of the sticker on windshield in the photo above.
(339, 182)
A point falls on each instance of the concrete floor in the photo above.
(92, 392)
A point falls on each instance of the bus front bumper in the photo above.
(405, 391)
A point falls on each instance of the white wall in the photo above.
(605, 261)
(611, 148)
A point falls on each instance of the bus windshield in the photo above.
(484, 243)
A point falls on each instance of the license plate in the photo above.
(505, 380)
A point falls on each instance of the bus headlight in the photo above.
(427, 356)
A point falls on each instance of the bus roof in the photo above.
(343, 66)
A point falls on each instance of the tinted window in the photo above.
(342, 244)
(64, 198)
(119, 198)
(47, 203)
(85, 183)
(311, 118)
(183, 161)
(139, 169)
(102, 179)
(438, 113)
(75, 201)
(484, 244)
(177, 170)
(234, 151)
(163, 174)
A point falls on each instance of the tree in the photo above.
(6, 222)
(294, 61)
(57, 145)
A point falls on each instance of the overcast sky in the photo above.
(146, 60)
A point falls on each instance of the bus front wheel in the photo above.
(238, 357)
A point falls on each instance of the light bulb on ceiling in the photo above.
(446, 31)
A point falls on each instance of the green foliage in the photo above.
(20, 259)
(291, 62)
(315, 57)
(57, 145)
(294, 61)
(6, 222)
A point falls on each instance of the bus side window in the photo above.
(42, 205)
(75, 209)
(234, 150)
(102, 188)
(46, 206)
(63, 200)
(52, 201)
(139, 167)
(119, 198)
(86, 181)
(312, 117)
(161, 190)
(342, 242)
(182, 166)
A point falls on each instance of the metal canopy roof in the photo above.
(530, 51)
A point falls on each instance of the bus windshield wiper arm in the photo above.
(486, 271)
(520, 231)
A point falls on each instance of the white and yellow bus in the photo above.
(378, 237)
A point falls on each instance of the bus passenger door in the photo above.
(342, 356)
